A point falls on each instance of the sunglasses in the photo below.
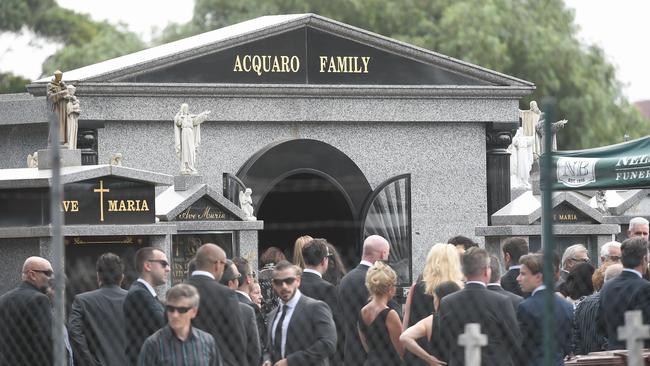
(162, 262)
(179, 309)
(46, 272)
(279, 281)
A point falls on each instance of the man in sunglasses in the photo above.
(178, 343)
(143, 312)
(26, 317)
(301, 329)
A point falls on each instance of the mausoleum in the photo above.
(338, 131)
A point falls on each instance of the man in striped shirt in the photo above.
(178, 343)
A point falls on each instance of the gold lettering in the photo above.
(284, 60)
(130, 205)
(66, 205)
(247, 60)
(276, 65)
(112, 205)
(366, 61)
(257, 65)
(145, 206)
(122, 206)
(295, 63)
(332, 67)
(264, 63)
(323, 62)
(75, 206)
(237, 65)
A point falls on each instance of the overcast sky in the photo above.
(621, 28)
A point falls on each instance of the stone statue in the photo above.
(601, 202)
(521, 161)
(555, 126)
(529, 119)
(72, 109)
(57, 95)
(116, 159)
(187, 137)
(32, 160)
(246, 204)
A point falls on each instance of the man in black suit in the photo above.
(491, 310)
(246, 282)
(513, 249)
(495, 286)
(230, 279)
(628, 291)
(301, 329)
(143, 312)
(530, 315)
(219, 312)
(316, 256)
(26, 318)
(96, 322)
(353, 295)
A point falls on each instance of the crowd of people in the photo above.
(313, 312)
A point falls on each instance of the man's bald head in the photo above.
(211, 258)
(375, 248)
(38, 272)
(613, 271)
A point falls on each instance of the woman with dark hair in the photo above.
(268, 259)
(426, 327)
(578, 284)
(335, 268)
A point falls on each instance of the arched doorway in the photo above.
(304, 186)
(308, 204)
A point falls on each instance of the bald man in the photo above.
(26, 317)
(219, 312)
(353, 295)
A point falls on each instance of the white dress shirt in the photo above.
(291, 306)
(148, 286)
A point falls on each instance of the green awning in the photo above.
(624, 165)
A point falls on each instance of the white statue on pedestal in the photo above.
(187, 137)
(529, 119)
(73, 110)
(521, 161)
(32, 160)
(246, 204)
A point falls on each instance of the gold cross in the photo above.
(101, 192)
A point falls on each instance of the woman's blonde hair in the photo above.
(298, 260)
(443, 264)
(380, 278)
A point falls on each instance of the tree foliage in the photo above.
(532, 40)
(10, 83)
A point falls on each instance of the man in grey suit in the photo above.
(301, 329)
(96, 322)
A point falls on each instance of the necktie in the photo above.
(277, 341)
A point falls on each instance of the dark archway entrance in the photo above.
(304, 186)
(308, 204)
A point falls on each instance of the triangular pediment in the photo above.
(198, 203)
(291, 49)
(568, 208)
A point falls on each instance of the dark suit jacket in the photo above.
(220, 316)
(96, 327)
(317, 288)
(515, 300)
(530, 315)
(311, 334)
(25, 327)
(625, 292)
(494, 312)
(509, 282)
(253, 348)
(143, 316)
(352, 296)
(260, 319)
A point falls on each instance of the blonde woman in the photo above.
(379, 326)
(442, 265)
(297, 250)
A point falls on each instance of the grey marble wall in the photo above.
(13, 255)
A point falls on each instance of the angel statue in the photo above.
(187, 137)
(520, 159)
(246, 204)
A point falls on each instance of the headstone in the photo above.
(472, 340)
(634, 332)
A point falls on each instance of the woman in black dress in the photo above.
(379, 326)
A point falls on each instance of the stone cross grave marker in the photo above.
(634, 332)
(472, 340)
